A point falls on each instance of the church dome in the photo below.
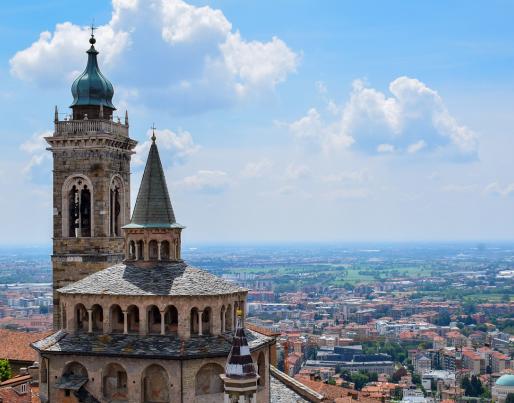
(505, 380)
(91, 88)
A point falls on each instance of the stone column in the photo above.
(90, 321)
(159, 250)
(143, 322)
(200, 314)
(162, 323)
(106, 325)
(223, 315)
(137, 250)
(125, 322)
(146, 252)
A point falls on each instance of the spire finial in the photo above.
(153, 132)
(92, 40)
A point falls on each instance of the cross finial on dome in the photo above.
(153, 132)
(92, 40)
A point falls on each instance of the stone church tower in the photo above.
(91, 181)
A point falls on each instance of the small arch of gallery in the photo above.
(158, 248)
(150, 319)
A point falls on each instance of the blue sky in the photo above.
(280, 121)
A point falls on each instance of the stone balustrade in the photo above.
(71, 127)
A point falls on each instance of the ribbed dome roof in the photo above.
(505, 380)
(91, 87)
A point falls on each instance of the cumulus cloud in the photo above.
(496, 189)
(297, 171)
(35, 147)
(174, 147)
(257, 169)
(206, 181)
(203, 62)
(413, 119)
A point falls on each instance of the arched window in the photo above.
(115, 206)
(115, 383)
(132, 250)
(208, 381)
(140, 250)
(207, 321)
(44, 371)
(228, 318)
(75, 369)
(155, 385)
(194, 321)
(171, 320)
(153, 250)
(64, 325)
(154, 320)
(77, 204)
(117, 319)
(81, 318)
(97, 318)
(223, 310)
(261, 369)
(133, 319)
(165, 250)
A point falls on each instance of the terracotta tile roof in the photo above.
(332, 392)
(16, 345)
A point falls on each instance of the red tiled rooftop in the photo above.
(16, 345)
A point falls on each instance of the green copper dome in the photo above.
(505, 380)
(91, 88)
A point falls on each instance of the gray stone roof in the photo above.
(153, 206)
(133, 345)
(174, 279)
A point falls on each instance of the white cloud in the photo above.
(496, 189)
(453, 188)
(175, 147)
(206, 181)
(297, 171)
(347, 177)
(257, 169)
(385, 148)
(415, 147)
(203, 62)
(321, 87)
(413, 118)
(35, 147)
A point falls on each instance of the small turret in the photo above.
(126, 118)
(153, 233)
(240, 378)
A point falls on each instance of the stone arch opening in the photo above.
(140, 250)
(97, 318)
(114, 383)
(171, 320)
(153, 250)
(64, 325)
(115, 206)
(165, 250)
(154, 320)
(75, 369)
(155, 386)
(194, 321)
(223, 311)
(77, 202)
(208, 381)
(44, 371)
(133, 319)
(207, 321)
(261, 369)
(228, 318)
(132, 250)
(81, 318)
(117, 319)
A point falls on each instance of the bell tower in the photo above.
(91, 181)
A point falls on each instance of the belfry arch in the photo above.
(77, 207)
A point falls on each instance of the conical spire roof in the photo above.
(153, 206)
(91, 87)
(240, 363)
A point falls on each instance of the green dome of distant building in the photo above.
(91, 88)
(505, 380)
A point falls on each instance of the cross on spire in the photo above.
(93, 28)
(153, 132)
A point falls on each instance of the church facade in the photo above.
(133, 321)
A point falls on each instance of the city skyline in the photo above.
(362, 123)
